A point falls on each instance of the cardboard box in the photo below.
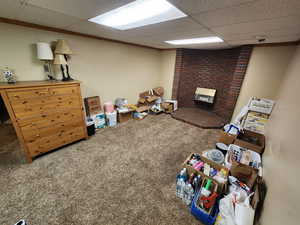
(167, 107)
(227, 138)
(255, 122)
(261, 105)
(158, 91)
(125, 116)
(251, 140)
(142, 100)
(152, 98)
(222, 187)
(144, 94)
(143, 108)
(244, 173)
(174, 103)
(92, 105)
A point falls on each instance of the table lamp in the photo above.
(59, 59)
(44, 53)
(62, 48)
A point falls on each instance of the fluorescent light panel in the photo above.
(203, 40)
(139, 13)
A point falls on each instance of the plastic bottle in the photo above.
(189, 194)
(196, 183)
(178, 187)
(191, 178)
(183, 174)
(181, 188)
(185, 193)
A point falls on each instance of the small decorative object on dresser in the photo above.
(44, 53)
(9, 75)
(45, 114)
(62, 48)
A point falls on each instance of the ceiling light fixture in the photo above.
(203, 40)
(139, 13)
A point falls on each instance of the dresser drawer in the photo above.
(50, 118)
(54, 141)
(69, 90)
(23, 94)
(26, 109)
(34, 134)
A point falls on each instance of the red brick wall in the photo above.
(223, 70)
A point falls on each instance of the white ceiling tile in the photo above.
(288, 24)
(197, 6)
(253, 11)
(269, 33)
(287, 38)
(83, 9)
(236, 21)
(165, 36)
(203, 46)
(173, 26)
(10, 8)
(33, 14)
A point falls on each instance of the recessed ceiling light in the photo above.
(139, 13)
(203, 40)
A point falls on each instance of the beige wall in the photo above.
(264, 74)
(167, 71)
(282, 155)
(107, 69)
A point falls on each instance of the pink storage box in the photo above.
(109, 107)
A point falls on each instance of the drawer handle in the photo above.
(24, 102)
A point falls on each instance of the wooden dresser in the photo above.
(45, 114)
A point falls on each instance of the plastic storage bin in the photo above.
(111, 119)
(208, 219)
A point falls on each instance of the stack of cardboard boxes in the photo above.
(150, 101)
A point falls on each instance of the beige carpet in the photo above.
(122, 175)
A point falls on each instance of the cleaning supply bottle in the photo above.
(206, 190)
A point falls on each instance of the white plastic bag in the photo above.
(244, 213)
(227, 211)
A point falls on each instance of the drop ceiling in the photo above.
(237, 22)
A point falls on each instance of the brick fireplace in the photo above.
(223, 70)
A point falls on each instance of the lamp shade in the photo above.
(62, 47)
(44, 51)
(59, 60)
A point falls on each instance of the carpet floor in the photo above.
(122, 175)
